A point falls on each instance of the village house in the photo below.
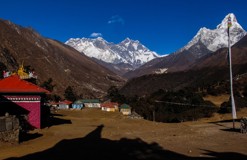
(21, 98)
(78, 104)
(91, 103)
(65, 104)
(109, 106)
(125, 109)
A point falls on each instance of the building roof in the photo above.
(79, 101)
(125, 106)
(90, 101)
(13, 84)
(65, 102)
(109, 104)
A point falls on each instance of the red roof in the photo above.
(65, 102)
(109, 104)
(13, 84)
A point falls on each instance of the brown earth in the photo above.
(95, 134)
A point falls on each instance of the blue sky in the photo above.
(163, 26)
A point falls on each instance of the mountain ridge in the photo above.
(128, 51)
(211, 70)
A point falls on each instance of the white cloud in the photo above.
(116, 19)
(94, 34)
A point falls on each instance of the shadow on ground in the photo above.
(58, 121)
(93, 146)
(28, 136)
(226, 127)
(52, 121)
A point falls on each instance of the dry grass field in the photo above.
(217, 100)
(95, 134)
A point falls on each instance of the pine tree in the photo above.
(69, 94)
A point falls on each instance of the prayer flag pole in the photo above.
(234, 115)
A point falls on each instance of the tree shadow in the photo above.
(93, 146)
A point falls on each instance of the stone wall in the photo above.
(243, 125)
(9, 129)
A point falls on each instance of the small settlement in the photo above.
(22, 105)
(92, 103)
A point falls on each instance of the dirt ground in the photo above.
(95, 134)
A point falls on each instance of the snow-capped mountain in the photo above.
(127, 51)
(204, 43)
(217, 38)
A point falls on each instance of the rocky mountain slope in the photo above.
(210, 69)
(52, 59)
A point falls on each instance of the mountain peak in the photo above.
(217, 38)
(128, 41)
(224, 23)
(100, 39)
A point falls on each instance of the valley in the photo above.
(123, 80)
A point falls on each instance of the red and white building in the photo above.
(19, 97)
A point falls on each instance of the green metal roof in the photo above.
(87, 101)
(125, 106)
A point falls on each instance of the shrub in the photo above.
(240, 102)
